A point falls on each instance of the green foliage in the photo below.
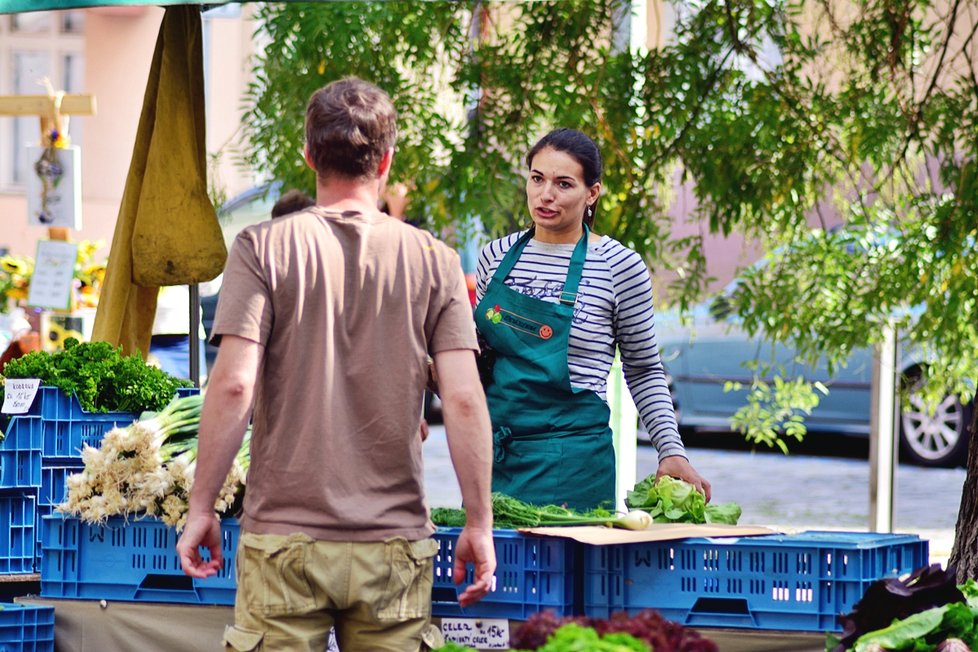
(775, 411)
(784, 119)
(671, 500)
(448, 516)
(101, 377)
(578, 638)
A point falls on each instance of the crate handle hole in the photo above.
(167, 583)
(732, 606)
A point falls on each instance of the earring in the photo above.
(589, 211)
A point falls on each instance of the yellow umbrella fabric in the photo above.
(167, 232)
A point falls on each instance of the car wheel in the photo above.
(938, 438)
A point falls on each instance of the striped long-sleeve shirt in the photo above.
(614, 308)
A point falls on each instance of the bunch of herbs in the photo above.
(101, 377)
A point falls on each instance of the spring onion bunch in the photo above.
(147, 468)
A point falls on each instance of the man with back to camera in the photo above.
(326, 319)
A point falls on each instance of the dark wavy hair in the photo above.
(581, 148)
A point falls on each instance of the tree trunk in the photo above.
(964, 552)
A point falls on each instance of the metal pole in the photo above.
(624, 432)
(193, 334)
(884, 429)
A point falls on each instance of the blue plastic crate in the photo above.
(532, 573)
(54, 480)
(26, 628)
(20, 453)
(17, 533)
(799, 582)
(53, 491)
(66, 426)
(134, 561)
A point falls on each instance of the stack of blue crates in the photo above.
(41, 449)
(789, 582)
(26, 628)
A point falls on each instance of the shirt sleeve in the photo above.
(453, 327)
(645, 375)
(482, 273)
(244, 307)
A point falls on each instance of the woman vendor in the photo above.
(553, 304)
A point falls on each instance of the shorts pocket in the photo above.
(275, 582)
(239, 639)
(432, 638)
(408, 593)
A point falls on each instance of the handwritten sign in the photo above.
(479, 633)
(18, 394)
(54, 271)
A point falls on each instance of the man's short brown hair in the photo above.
(350, 125)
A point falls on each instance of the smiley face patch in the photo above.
(497, 315)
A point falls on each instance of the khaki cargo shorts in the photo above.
(293, 589)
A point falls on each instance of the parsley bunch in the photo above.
(101, 377)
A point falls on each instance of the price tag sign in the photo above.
(18, 394)
(478, 633)
(54, 271)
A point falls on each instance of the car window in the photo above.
(250, 207)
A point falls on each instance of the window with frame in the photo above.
(35, 46)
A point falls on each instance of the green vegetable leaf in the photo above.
(903, 633)
(728, 513)
(670, 500)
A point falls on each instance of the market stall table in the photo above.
(107, 625)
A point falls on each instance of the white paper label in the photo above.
(54, 271)
(18, 394)
(479, 633)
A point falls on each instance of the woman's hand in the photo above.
(679, 467)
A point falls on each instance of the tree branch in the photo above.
(918, 116)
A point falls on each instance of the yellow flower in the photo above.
(93, 271)
(87, 249)
(17, 293)
(14, 265)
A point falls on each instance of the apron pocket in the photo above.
(529, 469)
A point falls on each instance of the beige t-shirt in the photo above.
(348, 307)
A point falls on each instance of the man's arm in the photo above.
(223, 421)
(469, 433)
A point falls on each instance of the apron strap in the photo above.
(575, 270)
(568, 296)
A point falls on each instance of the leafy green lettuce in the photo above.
(670, 500)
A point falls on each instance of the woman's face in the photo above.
(557, 196)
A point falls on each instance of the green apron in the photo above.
(551, 442)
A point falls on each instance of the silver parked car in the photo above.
(710, 351)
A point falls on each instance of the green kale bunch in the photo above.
(101, 377)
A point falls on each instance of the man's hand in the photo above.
(201, 530)
(677, 466)
(474, 546)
